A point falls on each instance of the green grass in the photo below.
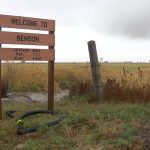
(88, 126)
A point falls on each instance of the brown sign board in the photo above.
(26, 38)
(27, 54)
(26, 23)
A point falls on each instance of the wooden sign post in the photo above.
(29, 39)
(0, 88)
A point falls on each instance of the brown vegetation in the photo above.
(118, 85)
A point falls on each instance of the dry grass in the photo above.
(120, 84)
(26, 77)
(125, 85)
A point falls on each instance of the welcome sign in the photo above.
(27, 38)
(23, 54)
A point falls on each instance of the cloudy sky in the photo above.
(121, 28)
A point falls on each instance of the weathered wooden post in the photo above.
(95, 69)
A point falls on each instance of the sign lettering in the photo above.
(26, 54)
(26, 23)
(26, 38)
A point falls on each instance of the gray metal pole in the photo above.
(95, 69)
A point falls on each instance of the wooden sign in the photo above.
(27, 54)
(26, 38)
(23, 54)
(26, 23)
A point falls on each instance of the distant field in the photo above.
(65, 66)
(128, 66)
(113, 66)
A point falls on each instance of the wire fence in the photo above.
(56, 70)
(83, 67)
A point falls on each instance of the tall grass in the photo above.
(8, 80)
(26, 77)
(125, 85)
(121, 84)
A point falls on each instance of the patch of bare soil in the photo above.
(34, 96)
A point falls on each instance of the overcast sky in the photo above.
(121, 28)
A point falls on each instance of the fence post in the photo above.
(95, 69)
(0, 88)
(51, 82)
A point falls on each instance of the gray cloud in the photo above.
(125, 17)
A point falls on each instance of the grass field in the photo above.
(88, 126)
(113, 124)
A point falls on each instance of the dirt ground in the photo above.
(34, 96)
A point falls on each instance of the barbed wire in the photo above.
(75, 68)
(56, 70)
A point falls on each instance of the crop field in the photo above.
(121, 121)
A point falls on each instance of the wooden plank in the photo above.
(1, 112)
(26, 23)
(26, 38)
(0, 89)
(27, 54)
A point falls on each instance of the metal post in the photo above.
(95, 69)
(51, 82)
(0, 89)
